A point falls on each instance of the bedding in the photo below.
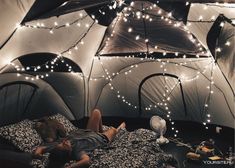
(132, 149)
(22, 135)
(69, 127)
(129, 149)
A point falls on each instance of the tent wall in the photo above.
(71, 88)
(127, 31)
(12, 12)
(208, 13)
(102, 94)
(226, 58)
(15, 97)
(28, 40)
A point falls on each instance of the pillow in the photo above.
(22, 135)
(42, 162)
(69, 127)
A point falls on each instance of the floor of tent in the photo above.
(189, 132)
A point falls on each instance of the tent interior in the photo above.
(130, 59)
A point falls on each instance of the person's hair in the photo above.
(59, 154)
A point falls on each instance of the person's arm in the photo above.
(83, 162)
(39, 151)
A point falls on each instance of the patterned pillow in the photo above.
(22, 135)
(69, 127)
(41, 163)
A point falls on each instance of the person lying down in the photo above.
(76, 145)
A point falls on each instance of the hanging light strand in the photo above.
(80, 40)
(208, 99)
(50, 64)
(56, 26)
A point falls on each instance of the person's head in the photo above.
(62, 151)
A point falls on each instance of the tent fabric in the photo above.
(112, 82)
(125, 84)
(30, 40)
(71, 6)
(15, 12)
(220, 41)
(15, 103)
(226, 58)
(208, 13)
(21, 98)
(168, 34)
(72, 91)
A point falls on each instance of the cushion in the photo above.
(69, 127)
(22, 135)
(42, 162)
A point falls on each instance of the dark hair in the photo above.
(60, 155)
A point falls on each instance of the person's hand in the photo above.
(38, 152)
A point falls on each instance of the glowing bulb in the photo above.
(138, 13)
(200, 18)
(137, 37)
(129, 29)
(227, 43)
(218, 49)
(222, 24)
(213, 18)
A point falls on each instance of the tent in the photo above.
(129, 58)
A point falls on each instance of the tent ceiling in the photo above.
(12, 12)
(45, 9)
(131, 33)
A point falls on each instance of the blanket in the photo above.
(136, 149)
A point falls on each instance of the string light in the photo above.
(145, 15)
(208, 100)
(50, 64)
(139, 14)
(56, 26)
(166, 94)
